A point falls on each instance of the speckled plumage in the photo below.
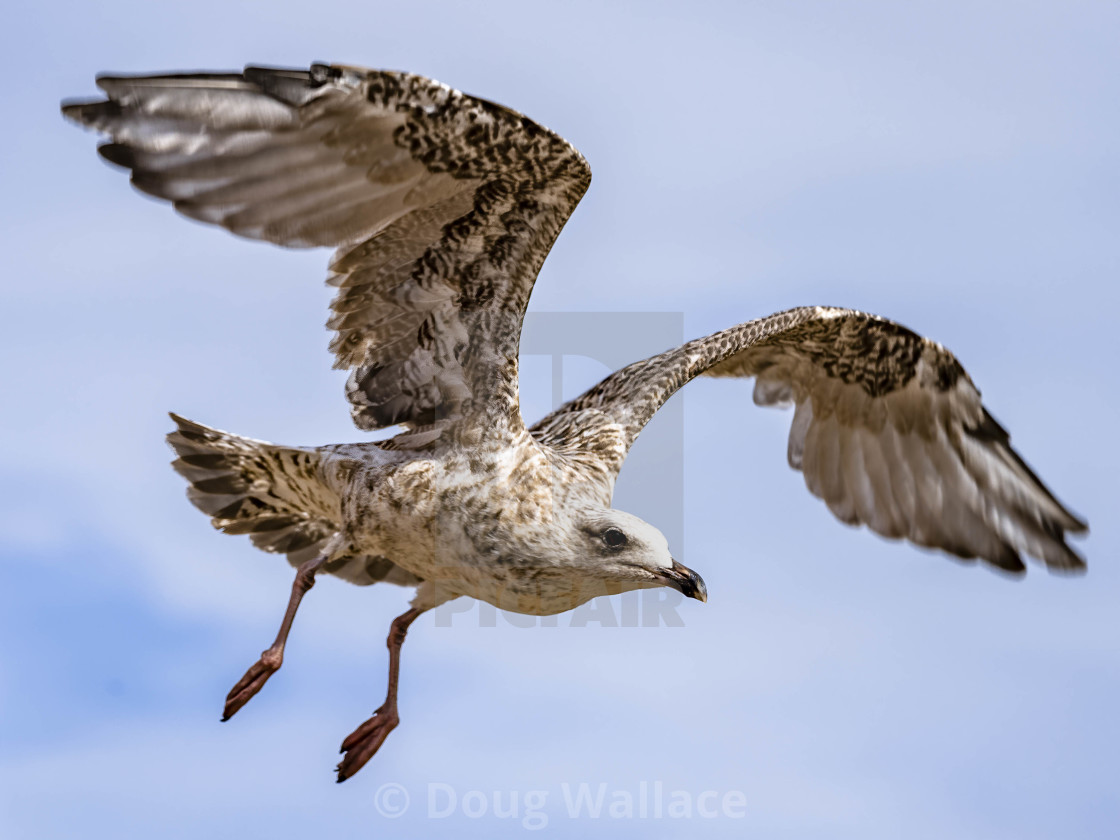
(442, 208)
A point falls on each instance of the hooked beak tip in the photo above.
(687, 582)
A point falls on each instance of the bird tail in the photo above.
(275, 494)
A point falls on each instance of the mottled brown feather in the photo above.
(889, 431)
(441, 206)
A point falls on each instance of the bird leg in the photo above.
(271, 659)
(363, 742)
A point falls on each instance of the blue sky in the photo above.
(949, 165)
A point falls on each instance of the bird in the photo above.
(441, 208)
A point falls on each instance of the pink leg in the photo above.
(363, 742)
(271, 659)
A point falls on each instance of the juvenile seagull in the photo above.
(441, 208)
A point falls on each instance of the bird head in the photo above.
(620, 548)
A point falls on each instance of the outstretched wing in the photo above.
(442, 207)
(888, 429)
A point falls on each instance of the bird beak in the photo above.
(685, 581)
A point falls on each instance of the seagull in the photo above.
(441, 208)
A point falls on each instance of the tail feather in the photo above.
(272, 493)
(276, 495)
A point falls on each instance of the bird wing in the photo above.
(442, 208)
(888, 430)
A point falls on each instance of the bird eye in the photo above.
(614, 538)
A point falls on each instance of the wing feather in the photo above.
(441, 206)
(888, 430)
